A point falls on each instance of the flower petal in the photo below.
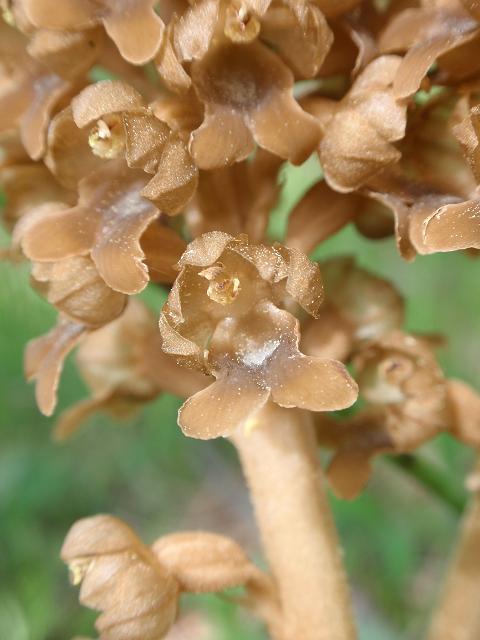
(117, 252)
(221, 140)
(316, 384)
(222, 407)
(302, 38)
(176, 179)
(193, 32)
(349, 473)
(68, 14)
(48, 89)
(104, 97)
(69, 157)
(135, 28)
(44, 359)
(453, 227)
(282, 127)
(146, 137)
(60, 233)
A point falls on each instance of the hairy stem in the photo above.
(458, 615)
(278, 455)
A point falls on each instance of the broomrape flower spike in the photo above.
(167, 174)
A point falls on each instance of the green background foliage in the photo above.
(397, 535)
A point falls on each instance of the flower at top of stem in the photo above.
(223, 316)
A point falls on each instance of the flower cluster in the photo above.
(143, 144)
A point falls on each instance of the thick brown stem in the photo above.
(458, 615)
(279, 459)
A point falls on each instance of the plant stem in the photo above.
(458, 616)
(279, 458)
(436, 480)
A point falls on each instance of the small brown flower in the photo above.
(219, 317)
(407, 404)
(132, 24)
(108, 121)
(247, 92)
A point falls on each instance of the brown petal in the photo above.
(221, 140)
(135, 28)
(104, 97)
(60, 233)
(303, 282)
(168, 66)
(47, 91)
(453, 227)
(193, 32)
(349, 473)
(146, 137)
(222, 407)
(26, 187)
(75, 288)
(67, 53)
(163, 248)
(315, 384)
(69, 157)
(204, 562)
(281, 126)
(99, 534)
(303, 39)
(206, 249)
(176, 179)
(68, 14)
(44, 359)
(420, 58)
(117, 252)
(319, 214)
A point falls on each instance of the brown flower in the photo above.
(137, 587)
(132, 24)
(107, 222)
(219, 317)
(357, 140)
(247, 92)
(124, 366)
(407, 404)
(108, 121)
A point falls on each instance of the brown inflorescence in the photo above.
(143, 144)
